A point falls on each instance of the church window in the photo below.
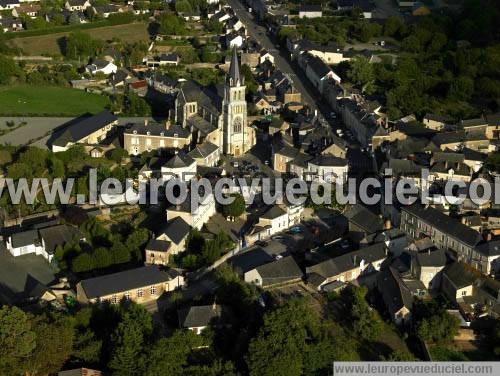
(237, 126)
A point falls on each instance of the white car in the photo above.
(339, 131)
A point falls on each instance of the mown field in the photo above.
(50, 44)
(48, 101)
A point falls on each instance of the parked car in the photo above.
(295, 230)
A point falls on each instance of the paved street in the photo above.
(309, 94)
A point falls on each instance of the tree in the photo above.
(461, 89)
(215, 26)
(250, 82)
(183, 6)
(392, 26)
(102, 258)
(361, 73)
(119, 252)
(83, 263)
(170, 356)
(136, 106)
(8, 70)
(17, 340)
(439, 327)
(128, 340)
(236, 208)
(80, 45)
(170, 24)
(279, 347)
(366, 322)
(54, 343)
(118, 154)
(86, 347)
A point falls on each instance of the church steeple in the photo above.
(234, 70)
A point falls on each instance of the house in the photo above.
(106, 9)
(397, 297)
(10, 24)
(234, 40)
(436, 122)
(447, 232)
(141, 285)
(194, 216)
(30, 10)
(420, 9)
(90, 131)
(80, 372)
(457, 282)
(170, 59)
(139, 138)
(362, 222)
(345, 4)
(43, 242)
(365, 7)
(310, 11)
(319, 73)
(264, 55)
(221, 16)
(328, 168)
(347, 267)
(171, 240)
(9, 4)
(277, 273)
(77, 5)
(101, 66)
(274, 220)
(206, 154)
(180, 166)
(427, 267)
(198, 318)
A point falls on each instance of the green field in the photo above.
(48, 101)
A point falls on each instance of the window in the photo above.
(148, 142)
(140, 293)
(127, 296)
(152, 290)
(162, 143)
(464, 293)
(237, 126)
(113, 299)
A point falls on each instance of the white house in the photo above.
(206, 154)
(8, 4)
(234, 40)
(182, 167)
(328, 168)
(194, 216)
(26, 242)
(101, 66)
(265, 55)
(310, 11)
(274, 220)
(77, 5)
(319, 73)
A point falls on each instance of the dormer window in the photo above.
(176, 135)
(135, 132)
(162, 134)
(148, 133)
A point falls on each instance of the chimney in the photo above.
(488, 236)
(354, 258)
(167, 124)
(429, 251)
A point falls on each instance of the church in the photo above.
(217, 114)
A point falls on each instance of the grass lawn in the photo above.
(48, 101)
(51, 44)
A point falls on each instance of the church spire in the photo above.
(234, 69)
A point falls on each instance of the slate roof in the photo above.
(4, 3)
(157, 129)
(395, 293)
(440, 118)
(179, 161)
(279, 271)
(59, 236)
(445, 224)
(328, 160)
(273, 212)
(249, 260)
(491, 248)
(127, 280)
(25, 238)
(158, 245)
(310, 8)
(432, 258)
(349, 261)
(83, 128)
(207, 96)
(203, 150)
(176, 230)
(364, 218)
(201, 316)
(318, 66)
(458, 275)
